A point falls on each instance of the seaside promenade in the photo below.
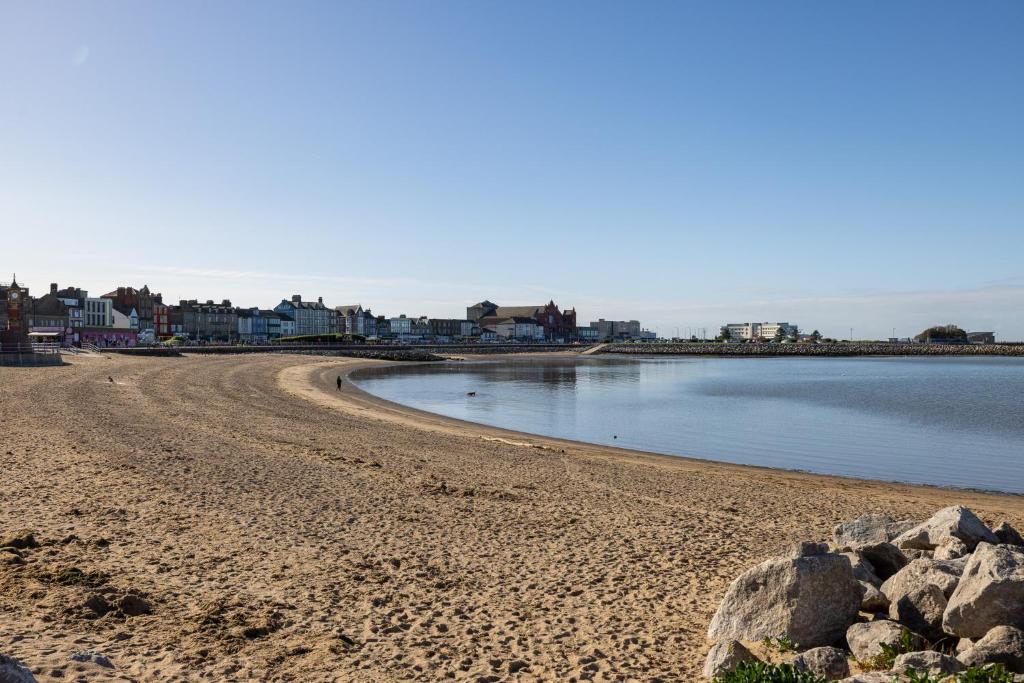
(240, 518)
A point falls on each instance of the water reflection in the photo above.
(949, 421)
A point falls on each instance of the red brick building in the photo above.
(558, 325)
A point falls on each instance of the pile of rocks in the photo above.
(943, 595)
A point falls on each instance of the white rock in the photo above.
(810, 599)
(956, 522)
(990, 593)
(828, 662)
(1002, 645)
(943, 573)
(725, 657)
(865, 639)
(934, 663)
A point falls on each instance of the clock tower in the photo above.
(15, 332)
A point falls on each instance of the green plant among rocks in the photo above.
(889, 653)
(781, 643)
(761, 672)
(993, 673)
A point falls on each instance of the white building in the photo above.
(99, 312)
(759, 330)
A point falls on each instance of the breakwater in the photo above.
(382, 352)
(838, 349)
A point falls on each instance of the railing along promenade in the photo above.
(43, 353)
(822, 349)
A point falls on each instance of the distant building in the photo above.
(258, 326)
(588, 334)
(558, 325)
(520, 328)
(311, 317)
(981, 337)
(209, 321)
(759, 330)
(616, 330)
(353, 319)
(127, 298)
(447, 329)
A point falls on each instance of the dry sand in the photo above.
(281, 530)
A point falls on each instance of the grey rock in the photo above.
(943, 573)
(865, 639)
(13, 671)
(956, 522)
(870, 677)
(921, 611)
(934, 663)
(725, 657)
(885, 558)
(963, 645)
(990, 593)
(869, 530)
(1002, 645)
(808, 549)
(874, 600)
(810, 599)
(863, 570)
(828, 662)
(915, 554)
(1007, 535)
(93, 657)
(951, 549)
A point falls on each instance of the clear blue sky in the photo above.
(833, 164)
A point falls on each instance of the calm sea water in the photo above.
(946, 421)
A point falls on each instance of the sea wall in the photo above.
(832, 349)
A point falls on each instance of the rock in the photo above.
(98, 605)
(914, 554)
(725, 657)
(863, 570)
(93, 657)
(943, 573)
(874, 600)
(1002, 645)
(934, 663)
(956, 522)
(885, 558)
(921, 610)
(963, 645)
(1007, 535)
(828, 662)
(951, 549)
(811, 599)
(990, 593)
(13, 671)
(869, 530)
(869, 677)
(865, 639)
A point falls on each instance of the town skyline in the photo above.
(691, 163)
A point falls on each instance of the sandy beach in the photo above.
(238, 518)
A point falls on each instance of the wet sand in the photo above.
(275, 528)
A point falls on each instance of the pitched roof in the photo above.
(513, 311)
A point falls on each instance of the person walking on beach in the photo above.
(339, 382)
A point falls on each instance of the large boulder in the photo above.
(1002, 645)
(866, 639)
(951, 549)
(725, 657)
(1007, 535)
(942, 573)
(956, 522)
(827, 662)
(868, 530)
(811, 597)
(990, 592)
(921, 610)
(932, 662)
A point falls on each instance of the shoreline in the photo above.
(238, 518)
(364, 402)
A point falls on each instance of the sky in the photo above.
(848, 167)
